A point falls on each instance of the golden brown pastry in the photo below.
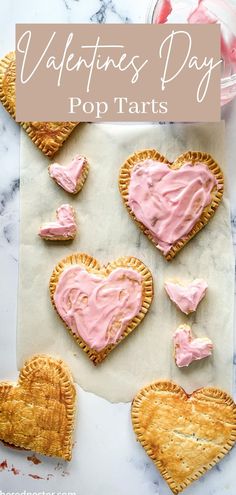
(48, 136)
(38, 412)
(171, 202)
(100, 305)
(185, 435)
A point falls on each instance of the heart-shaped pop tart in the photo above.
(189, 349)
(185, 435)
(187, 297)
(63, 229)
(47, 136)
(38, 412)
(171, 202)
(70, 177)
(100, 305)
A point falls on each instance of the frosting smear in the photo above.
(188, 349)
(64, 228)
(69, 176)
(169, 202)
(97, 308)
(187, 297)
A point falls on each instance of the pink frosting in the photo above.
(208, 12)
(223, 12)
(68, 176)
(97, 308)
(64, 226)
(188, 297)
(188, 349)
(163, 11)
(169, 202)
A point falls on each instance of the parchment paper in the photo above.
(106, 231)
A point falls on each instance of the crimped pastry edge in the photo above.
(68, 388)
(192, 156)
(92, 265)
(5, 62)
(80, 183)
(205, 392)
(66, 129)
(61, 136)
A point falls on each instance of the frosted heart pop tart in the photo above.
(100, 305)
(64, 228)
(186, 297)
(171, 201)
(189, 349)
(70, 177)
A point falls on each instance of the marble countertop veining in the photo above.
(110, 460)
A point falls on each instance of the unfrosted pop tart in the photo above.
(189, 349)
(100, 305)
(38, 412)
(70, 177)
(184, 434)
(64, 228)
(187, 297)
(49, 137)
(171, 201)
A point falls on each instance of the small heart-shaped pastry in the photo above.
(70, 177)
(100, 305)
(187, 297)
(64, 229)
(171, 202)
(188, 349)
(47, 136)
(185, 435)
(38, 412)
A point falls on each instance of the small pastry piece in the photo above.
(48, 136)
(187, 297)
(63, 229)
(70, 177)
(171, 202)
(100, 305)
(38, 412)
(188, 349)
(185, 435)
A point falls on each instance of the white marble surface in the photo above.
(108, 460)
